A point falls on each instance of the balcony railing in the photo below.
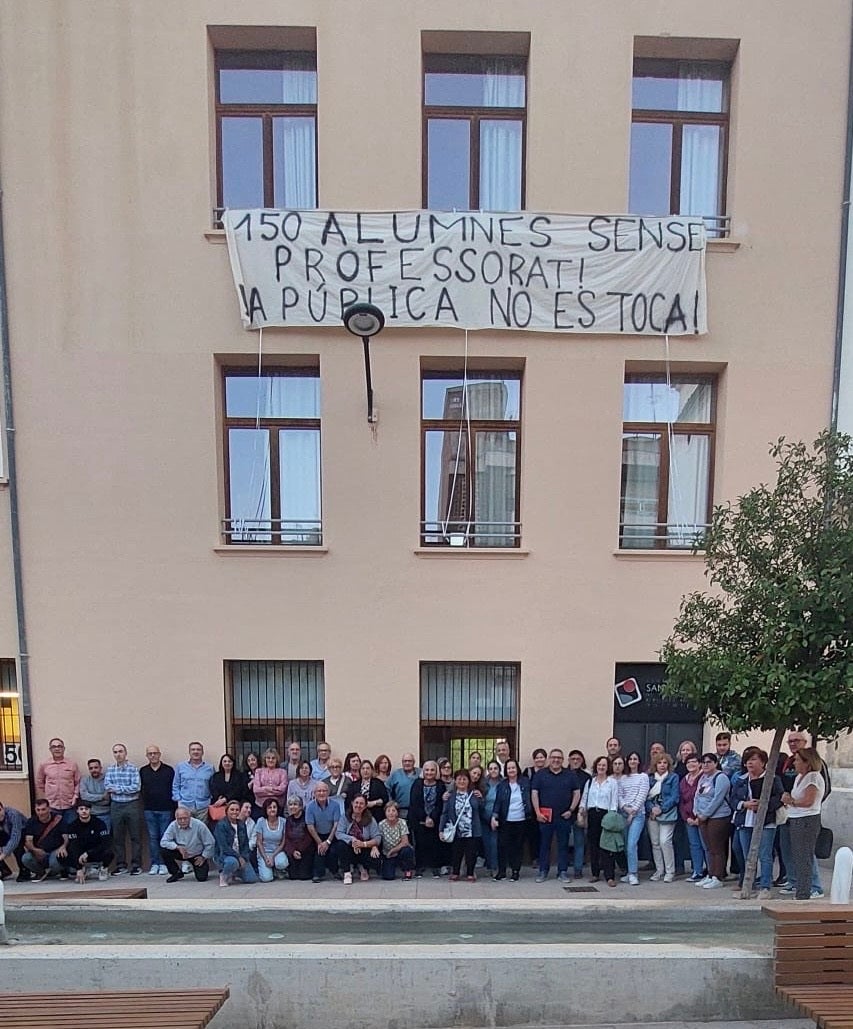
(273, 531)
(661, 535)
(470, 534)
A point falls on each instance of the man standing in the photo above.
(613, 747)
(157, 780)
(123, 786)
(291, 765)
(93, 790)
(729, 759)
(321, 820)
(320, 764)
(43, 836)
(187, 841)
(400, 783)
(502, 754)
(12, 824)
(337, 783)
(87, 842)
(556, 793)
(191, 785)
(58, 780)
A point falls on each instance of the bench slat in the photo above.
(132, 1009)
(813, 928)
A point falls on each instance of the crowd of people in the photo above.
(304, 819)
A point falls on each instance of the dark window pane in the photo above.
(272, 396)
(493, 398)
(449, 164)
(701, 161)
(242, 162)
(651, 168)
(689, 86)
(638, 510)
(294, 162)
(267, 86)
(500, 165)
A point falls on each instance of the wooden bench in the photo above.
(813, 960)
(75, 895)
(109, 1009)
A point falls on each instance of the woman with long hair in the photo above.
(232, 847)
(269, 837)
(360, 840)
(373, 789)
(382, 767)
(269, 780)
(513, 807)
(352, 766)
(228, 783)
(600, 795)
(803, 802)
(633, 789)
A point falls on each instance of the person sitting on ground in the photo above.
(43, 836)
(269, 837)
(12, 824)
(232, 847)
(186, 844)
(298, 845)
(396, 846)
(359, 839)
(89, 842)
(246, 818)
(322, 817)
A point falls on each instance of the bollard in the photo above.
(842, 876)
(3, 937)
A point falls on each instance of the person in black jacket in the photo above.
(228, 783)
(425, 803)
(372, 788)
(513, 807)
(88, 842)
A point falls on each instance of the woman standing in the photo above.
(227, 784)
(489, 787)
(803, 804)
(251, 763)
(303, 785)
(372, 789)
(600, 795)
(745, 796)
(298, 842)
(661, 815)
(382, 767)
(269, 780)
(462, 810)
(687, 792)
(513, 807)
(711, 810)
(425, 805)
(352, 766)
(232, 847)
(633, 789)
(269, 837)
(360, 839)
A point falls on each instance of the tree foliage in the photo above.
(770, 645)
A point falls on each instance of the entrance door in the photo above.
(458, 742)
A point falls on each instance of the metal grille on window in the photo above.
(273, 703)
(11, 757)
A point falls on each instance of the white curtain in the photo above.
(700, 90)
(300, 485)
(494, 489)
(500, 142)
(294, 161)
(640, 481)
(689, 457)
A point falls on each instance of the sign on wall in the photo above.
(604, 274)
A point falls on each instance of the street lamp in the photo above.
(365, 320)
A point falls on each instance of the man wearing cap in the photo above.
(87, 842)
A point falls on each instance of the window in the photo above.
(266, 128)
(471, 451)
(272, 456)
(11, 758)
(467, 705)
(667, 459)
(273, 703)
(474, 132)
(679, 139)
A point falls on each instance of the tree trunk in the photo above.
(761, 815)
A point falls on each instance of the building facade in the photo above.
(213, 542)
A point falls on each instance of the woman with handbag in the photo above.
(460, 826)
(662, 814)
(803, 803)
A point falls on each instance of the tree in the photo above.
(770, 647)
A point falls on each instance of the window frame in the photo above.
(668, 67)
(461, 425)
(259, 59)
(14, 718)
(275, 426)
(662, 429)
(462, 64)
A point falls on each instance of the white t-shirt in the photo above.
(798, 791)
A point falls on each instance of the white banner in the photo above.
(607, 274)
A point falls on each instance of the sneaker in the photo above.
(787, 891)
(223, 879)
(316, 879)
(563, 877)
(419, 873)
(764, 895)
(186, 867)
(625, 879)
(163, 870)
(633, 880)
(119, 869)
(136, 870)
(701, 882)
(103, 874)
(364, 875)
(436, 873)
(713, 883)
(656, 877)
(578, 875)
(24, 876)
(347, 878)
(175, 878)
(817, 895)
(445, 869)
(781, 881)
(39, 877)
(541, 877)
(695, 878)
(669, 877)
(498, 877)
(514, 877)
(154, 870)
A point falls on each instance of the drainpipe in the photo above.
(843, 329)
(14, 525)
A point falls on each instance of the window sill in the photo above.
(660, 555)
(215, 235)
(486, 553)
(13, 776)
(278, 551)
(4, 482)
(724, 246)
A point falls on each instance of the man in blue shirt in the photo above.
(400, 783)
(321, 819)
(320, 764)
(122, 786)
(556, 793)
(729, 759)
(191, 785)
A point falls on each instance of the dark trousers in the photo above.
(348, 858)
(715, 839)
(125, 819)
(599, 860)
(329, 860)
(404, 859)
(464, 847)
(18, 852)
(98, 856)
(561, 828)
(171, 859)
(511, 837)
(428, 853)
(803, 834)
(301, 868)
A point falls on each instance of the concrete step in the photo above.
(787, 1023)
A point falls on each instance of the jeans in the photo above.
(265, 873)
(788, 858)
(32, 863)
(579, 845)
(490, 845)
(697, 850)
(231, 866)
(156, 823)
(405, 858)
(561, 828)
(632, 838)
(742, 840)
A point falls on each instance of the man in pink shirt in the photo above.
(59, 780)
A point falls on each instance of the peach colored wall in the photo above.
(118, 304)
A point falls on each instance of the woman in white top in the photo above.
(633, 790)
(600, 795)
(803, 804)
